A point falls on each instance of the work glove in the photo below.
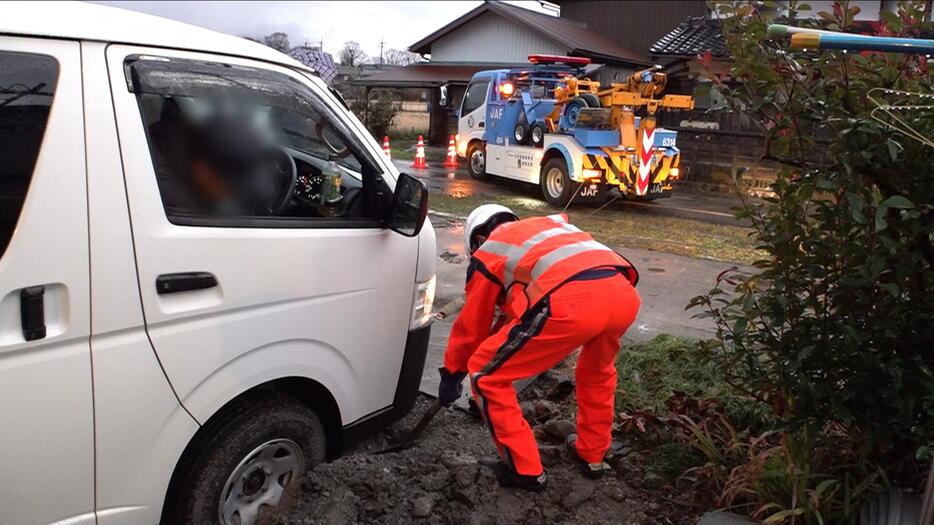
(451, 386)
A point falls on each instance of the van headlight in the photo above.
(424, 298)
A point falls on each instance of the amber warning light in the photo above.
(507, 89)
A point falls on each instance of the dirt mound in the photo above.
(446, 478)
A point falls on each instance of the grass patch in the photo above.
(618, 226)
(671, 460)
(405, 149)
(409, 134)
(650, 373)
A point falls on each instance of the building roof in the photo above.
(423, 75)
(85, 21)
(695, 36)
(575, 35)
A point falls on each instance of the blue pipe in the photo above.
(805, 38)
(863, 43)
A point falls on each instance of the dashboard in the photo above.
(308, 185)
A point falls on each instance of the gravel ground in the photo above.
(445, 477)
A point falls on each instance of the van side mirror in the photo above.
(409, 206)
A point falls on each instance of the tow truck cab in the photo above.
(507, 128)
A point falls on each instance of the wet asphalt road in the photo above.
(713, 208)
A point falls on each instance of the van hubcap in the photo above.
(554, 182)
(537, 135)
(260, 479)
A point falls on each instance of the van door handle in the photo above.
(184, 282)
(32, 312)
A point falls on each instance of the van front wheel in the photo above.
(250, 454)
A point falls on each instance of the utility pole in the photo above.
(381, 44)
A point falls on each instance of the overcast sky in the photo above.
(400, 24)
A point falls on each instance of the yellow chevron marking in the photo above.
(603, 165)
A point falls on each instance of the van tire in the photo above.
(230, 439)
(521, 134)
(556, 184)
(476, 166)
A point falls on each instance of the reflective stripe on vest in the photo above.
(514, 253)
(564, 252)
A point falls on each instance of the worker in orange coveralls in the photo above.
(558, 290)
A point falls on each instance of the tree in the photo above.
(351, 54)
(377, 114)
(278, 41)
(833, 328)
(398, 57)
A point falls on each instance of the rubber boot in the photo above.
(508, 478)
(590, 470)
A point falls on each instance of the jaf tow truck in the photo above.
(548, 124)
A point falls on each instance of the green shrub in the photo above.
(378, 115)
(835, 328)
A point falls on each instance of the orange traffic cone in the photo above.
(420, 154)
(386, 147)
(451, 160)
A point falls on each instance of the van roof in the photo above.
(84, 21)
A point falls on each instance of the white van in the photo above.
(165, 355)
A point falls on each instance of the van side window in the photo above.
(245, 146)
(27, 86)
(476, 94)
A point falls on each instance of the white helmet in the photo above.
(480, 217)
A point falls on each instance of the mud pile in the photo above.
(446, 477)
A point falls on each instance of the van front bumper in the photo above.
(410, 377)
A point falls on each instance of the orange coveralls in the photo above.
(559, 290)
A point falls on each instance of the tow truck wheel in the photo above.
(537, 133)
(476, 160)
(593, 101)
(556, 184)
(573, 110)
(521, 134)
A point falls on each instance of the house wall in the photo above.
(718, 146)
(492, 38)
(634, 24)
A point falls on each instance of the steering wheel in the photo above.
(284, 169)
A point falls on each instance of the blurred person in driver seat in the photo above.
(558, 290)
(223, 164)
